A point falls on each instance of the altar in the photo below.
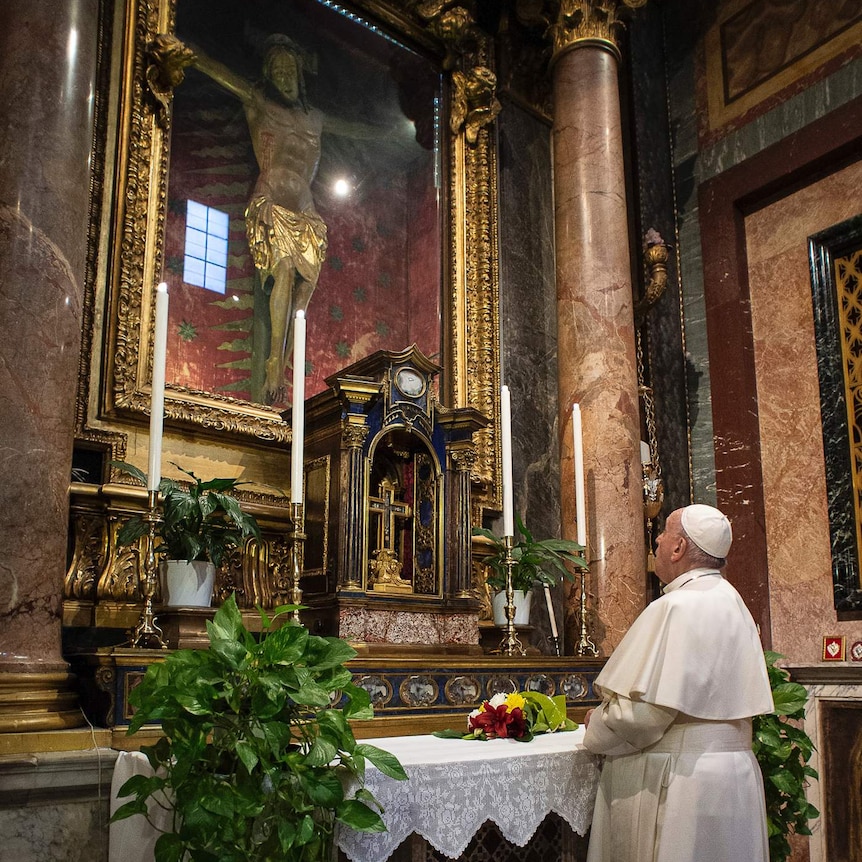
(454, 788)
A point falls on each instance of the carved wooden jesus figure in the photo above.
(287, 237)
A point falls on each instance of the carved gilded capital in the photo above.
(464, 459)
(594, 22)
(354, 436)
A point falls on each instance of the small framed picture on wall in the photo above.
(833, 648)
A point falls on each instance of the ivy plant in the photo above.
(783, 750)
(256, 752)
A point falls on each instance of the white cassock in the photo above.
(680, 782)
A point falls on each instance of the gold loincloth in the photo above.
(299, 238)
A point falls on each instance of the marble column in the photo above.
(595, 324)
(47, 74)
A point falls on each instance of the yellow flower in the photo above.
(515, 701)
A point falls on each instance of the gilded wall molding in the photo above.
(104, 573)
(475, 359)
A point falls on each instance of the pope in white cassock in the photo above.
(680, 782)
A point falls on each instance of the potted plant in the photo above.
(783, 749)
(256, 753)
(198, 527)
(541, 561)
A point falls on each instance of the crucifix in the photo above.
(386, 568)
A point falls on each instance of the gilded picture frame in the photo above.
(132, 255)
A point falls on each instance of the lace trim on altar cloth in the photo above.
(447, 803)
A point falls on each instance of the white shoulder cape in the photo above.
(696, 650)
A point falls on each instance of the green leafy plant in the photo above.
(542, 560)
(200, 522)
(255, 758)
(783, 750)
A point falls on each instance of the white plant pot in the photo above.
(522, 601)
(187, 585)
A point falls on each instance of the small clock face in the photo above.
(410, 382)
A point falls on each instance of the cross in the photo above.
(389, 509)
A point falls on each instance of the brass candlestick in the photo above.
(510, 643)
(147, 634)
(297, 557)
(585, 644)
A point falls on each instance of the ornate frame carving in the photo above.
(132, 252)
(840, 431)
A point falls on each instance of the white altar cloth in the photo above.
(454, 786)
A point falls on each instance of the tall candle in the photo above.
(157, 397)
(580, 503)
(551, 615)
(296, 472)
(506, 447)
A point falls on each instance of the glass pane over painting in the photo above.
(357, 146)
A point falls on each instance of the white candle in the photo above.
(506, 447)
(551, 616)
(646, 455)
(157, 397)
(580, 503)
(296, 472)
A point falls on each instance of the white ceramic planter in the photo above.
(187, 585)
(522, 601)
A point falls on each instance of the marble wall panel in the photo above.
(788, 399)
(54, 806)
(528, 333)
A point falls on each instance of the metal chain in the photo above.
(649, 407)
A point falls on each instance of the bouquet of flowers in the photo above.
(520, 715)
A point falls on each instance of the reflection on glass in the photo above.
(379, 285)
(205, 263)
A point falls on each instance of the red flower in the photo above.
(499, 722)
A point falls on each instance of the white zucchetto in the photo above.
(708, 528)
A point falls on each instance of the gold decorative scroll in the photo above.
(848, 286)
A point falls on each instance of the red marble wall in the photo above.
(767, 461)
